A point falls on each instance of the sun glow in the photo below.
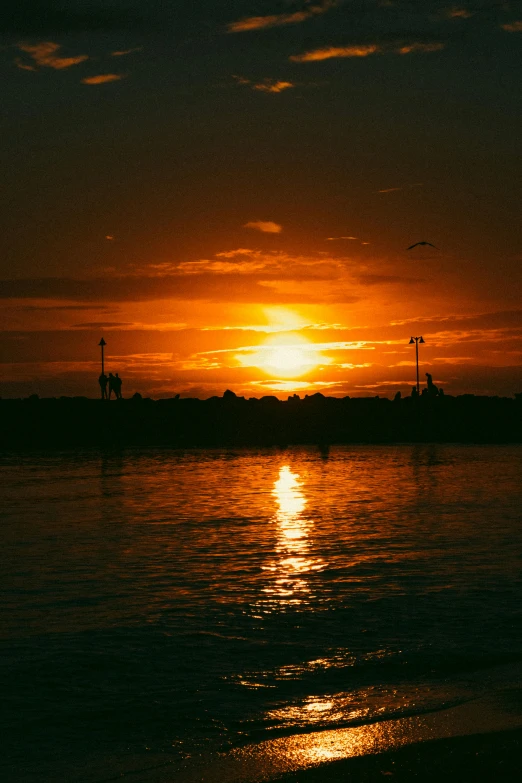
(288, 359)
(289, 356)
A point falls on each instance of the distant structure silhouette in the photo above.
(233, 421)
(421, 243)
(103, 380)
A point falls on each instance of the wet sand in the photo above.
(484, 757)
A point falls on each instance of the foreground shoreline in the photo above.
(487, 757)
(231, 421)
(480, 740)
(496, 756)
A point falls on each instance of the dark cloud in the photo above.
(226, 288)
(35, 17)
(495, 320)
(383, 279)
(52, 308)
(102, 324)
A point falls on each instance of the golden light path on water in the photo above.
(294, 563)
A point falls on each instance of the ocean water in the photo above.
(180, 604)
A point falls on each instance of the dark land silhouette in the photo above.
(235, 421)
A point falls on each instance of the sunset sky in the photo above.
(226, 191)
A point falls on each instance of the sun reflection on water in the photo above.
(293, 562)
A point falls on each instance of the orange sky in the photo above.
(227, 197)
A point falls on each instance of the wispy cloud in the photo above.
(103, 325)
(103, 78)
(278, 385)
(458, 13)
(265, 226)
(54, 307)
(330, 52)
(241, 267)
(513, 27)
(364, 50)
(265, 267)
(250, 23)
(372, 279)
(338, 345)
(419, 47)
(273, 86)
(123, 52)
(240, 251)
(267, 85)
(24, 66)
(353, 239)
(401, 187)
(45, 55)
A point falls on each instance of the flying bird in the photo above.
(421, 243)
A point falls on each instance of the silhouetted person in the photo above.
(103, 380)
(414, 392)
(397, 397)
(111, 385)
(117, 382)
(432, 389)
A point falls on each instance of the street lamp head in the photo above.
(421, 340)
(102, 342)
(411, 341)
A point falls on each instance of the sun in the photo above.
(288, 356)
(288, 359)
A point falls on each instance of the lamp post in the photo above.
(417, 340)
(102, 343)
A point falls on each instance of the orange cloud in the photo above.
(272, 86)
(123, 52)
(220, 267)
(266, 226)
(401, 187)
(23, 66)
(513, 27)
(278, 20)
(44, 55)
(241, 251)
(362, 50)
(103, 78)
(329, 52)
(458, 13)
(419, 47)
(267, 85)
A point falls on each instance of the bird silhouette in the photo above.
(421, 243)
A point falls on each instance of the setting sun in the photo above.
(289, 359)
(289, 356)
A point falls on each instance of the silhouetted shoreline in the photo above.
(70, 422)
